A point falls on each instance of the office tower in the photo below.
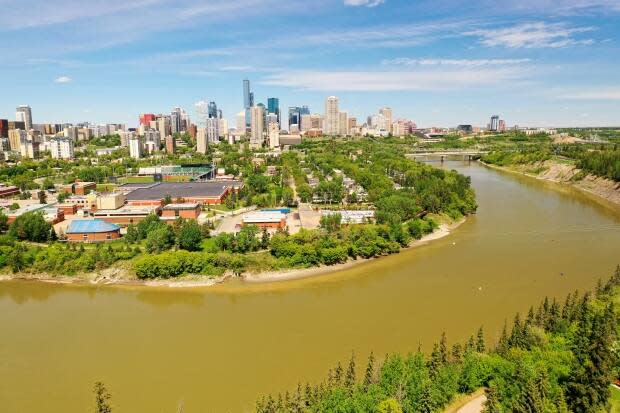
(146, 118)
(152, 139)
(332, 116)
(223, 128)
(192, 130)
(24, 114)
(306, 123)
(125, 137)
(202, 144)
(212, 125)
(494, 123)
(171, 144)
(248, 101)
(135, 147)
(257, 126)
(212, 110)
(387, 115)
(61, 147)
(273, 106)
(294, 116)
(304, 110)
(274, 134)
(343, 123)
(176, 121)
(219, 113)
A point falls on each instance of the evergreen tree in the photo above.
(492, 404)
(102, 398)
(443, 349)
(480, 345)
(370, 371)
(349, 380)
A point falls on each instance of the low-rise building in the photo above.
(265, 219)
(172, 212)
(206, 193)
(126, 215)
(8, 191)
(112, 200)
(92, 230)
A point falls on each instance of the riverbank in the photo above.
(566, 174)
(121, 275)
(444, 230)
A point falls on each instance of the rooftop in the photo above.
(188, 205)
(182, 190)
(85, 226)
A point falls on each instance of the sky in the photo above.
(437, 62)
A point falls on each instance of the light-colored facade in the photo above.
(343, 123)
(15, 138)
(23, 113)
(136, 147)
(274, 134)
(332, 116)
(62, 148)
(202, 143)
(212, 125)
(387, 116)
(257, 126)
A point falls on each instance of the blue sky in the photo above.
(438, 62)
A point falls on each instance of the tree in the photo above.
(189, 236)
(3, 222)
(390, 405)
(287, 196)
(102, 398)
(370, 371)
(160, 239)
(42, 197)
(30, 227)
(331, 222)
(480, 346)
(167, 199)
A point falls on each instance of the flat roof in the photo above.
(189, 205)
(181, 190)
(127, 210)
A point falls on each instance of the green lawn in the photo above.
(615, 400)
(136, 179)
(105, 187)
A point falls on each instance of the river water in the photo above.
(216, 349)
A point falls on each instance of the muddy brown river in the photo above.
(216, 349)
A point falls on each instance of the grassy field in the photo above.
(105, 187)
(135, 179)
(615, 400)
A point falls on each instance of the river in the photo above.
(215, 349)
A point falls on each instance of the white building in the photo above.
(387, 116)
(212, 125)
(343, 123)
(135, 147)
(332, 116)
(274, 135)
(202, 142)
(152, 138)
(61, 148)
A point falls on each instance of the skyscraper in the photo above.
(212, 111)
(294, 116)
(248, 101)
(175, 120)
(332, 116)
(273, 106)
(257, 126)
(387, 115)
(494, 126)
(24, 114)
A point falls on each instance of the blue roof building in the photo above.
(92, 230)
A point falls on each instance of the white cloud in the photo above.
(391, 81)
(63, 79)
(532, 35)
(405, 61)
(593, 94)
(366, 3)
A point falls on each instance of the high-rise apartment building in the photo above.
(136, 148)
(294, 117)
(29, 145)
(274, 134)
(176, 120)
(24, 114)
(202, 142)
(61, 147)
(387, 115)
(212, 111)
(332, 116)
(343, 123)
(15, 138)
(212, 126)
(241, 124)
(171, 144)
(163, 126)
(257, 126)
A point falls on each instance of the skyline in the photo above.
(438, 63)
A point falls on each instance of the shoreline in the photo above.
(295, 274)
(613, 199)
(194, 281)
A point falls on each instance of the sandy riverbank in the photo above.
(285, 275)
(564, 173)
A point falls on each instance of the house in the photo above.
(172, 212)
(92, 230)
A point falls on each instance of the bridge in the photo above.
(465, 154)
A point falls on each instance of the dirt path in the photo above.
(472, 403)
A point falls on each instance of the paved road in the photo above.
(473, 406)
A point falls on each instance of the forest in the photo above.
(559, 357)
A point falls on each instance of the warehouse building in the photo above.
(92, 230)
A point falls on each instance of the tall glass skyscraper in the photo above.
(212, 111)
(273, 106)
(294, 116)
(248, 101)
